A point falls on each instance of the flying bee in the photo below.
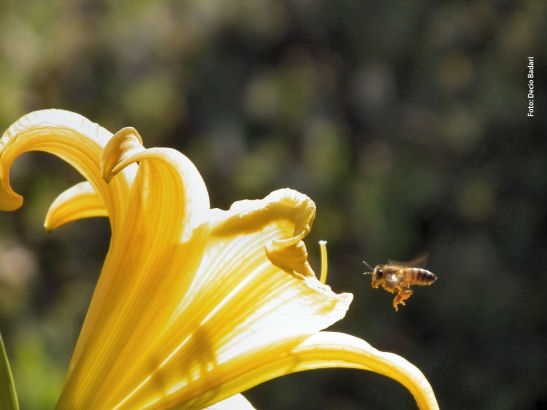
(398, 277)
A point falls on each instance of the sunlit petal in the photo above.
(326, 350)
(332, 350)
(236, 402)
(149, 267)
(238, 301)
(119, 152)
(71, 137)
(78, 202)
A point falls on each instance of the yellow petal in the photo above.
(72, 138)
(236, 402)
(327, 350)
(255, 308)
(171, 344)
(154, 253)
(332, 350)
(78, 202)
(119, 151)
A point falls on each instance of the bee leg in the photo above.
(402, 295)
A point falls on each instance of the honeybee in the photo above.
(398, 277)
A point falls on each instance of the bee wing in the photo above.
(417, 262)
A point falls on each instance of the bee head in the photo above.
(376, 273)
(377, 276)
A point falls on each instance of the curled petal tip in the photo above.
(9, 200)
(123, 145)
(77, 202)
(63, 133)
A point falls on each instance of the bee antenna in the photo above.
(368, 266)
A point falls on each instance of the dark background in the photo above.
(406, 122)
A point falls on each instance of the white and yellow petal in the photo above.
(241, 307)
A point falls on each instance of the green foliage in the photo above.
(8, 397)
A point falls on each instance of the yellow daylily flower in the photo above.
(194, 305)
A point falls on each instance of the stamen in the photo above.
(324, 261)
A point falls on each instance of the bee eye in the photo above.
(379, 272)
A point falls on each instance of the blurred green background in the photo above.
(405, 121)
